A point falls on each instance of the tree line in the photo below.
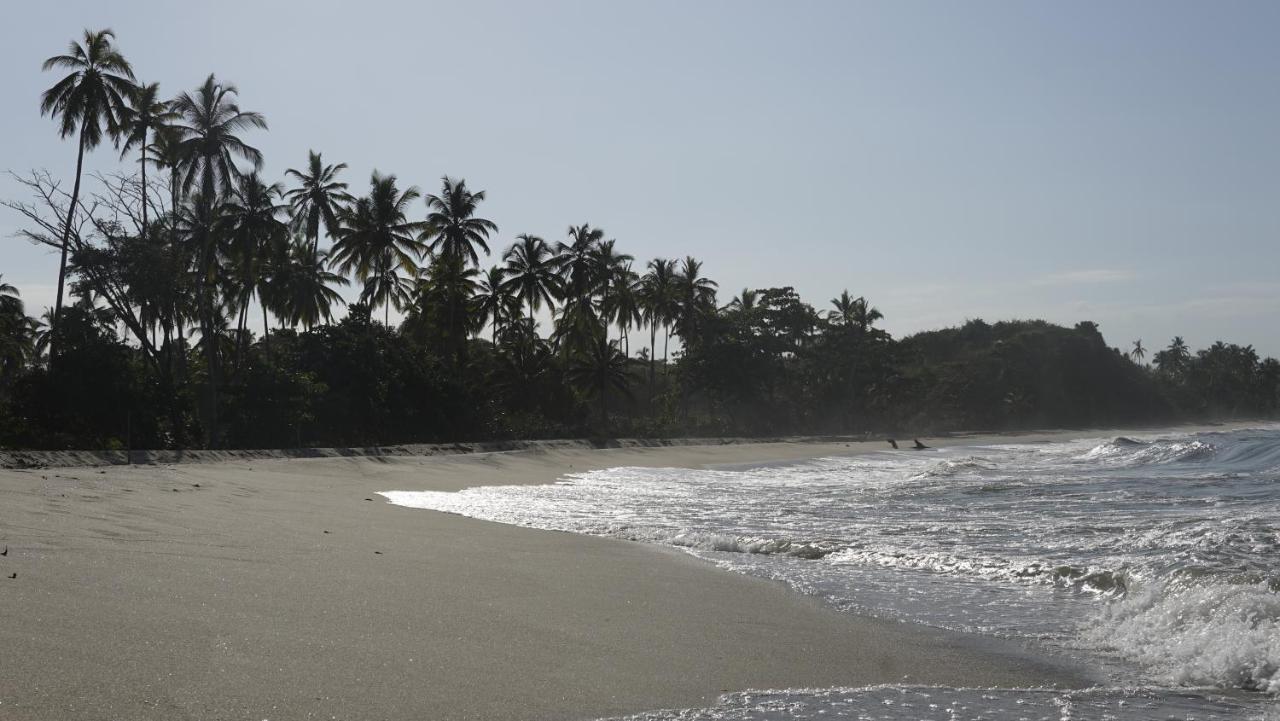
(167, 257)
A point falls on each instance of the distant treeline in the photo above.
(167, 258)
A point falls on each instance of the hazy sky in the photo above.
(1118, 162)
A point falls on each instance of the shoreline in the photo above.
(17, 459)
(285, 588)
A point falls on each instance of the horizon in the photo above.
(1096, 163)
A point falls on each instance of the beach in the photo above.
(288, 589)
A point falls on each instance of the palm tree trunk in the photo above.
(653, 355)
(144, 185)
(62, 265)
(266, 330)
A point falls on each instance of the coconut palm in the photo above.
(492, 303)
(658, 304)
(861, 315)
(302, 291)
(377, 242)
(452, 227)
(444, 295)
(622, 304)
(576, 261)
(745, 301)
(1138, 353)
(531, 273)
(598, 369)
(846, 311)
(85, 102)
(319, 198)
(145, 115)
(17, 332)
(609, 264)
(255, 235)
(695, 298)
(210, 120)
(386, 287)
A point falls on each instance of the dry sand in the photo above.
(276, 589)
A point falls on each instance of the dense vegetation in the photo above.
(166, 264)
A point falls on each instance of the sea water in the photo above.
(1152, 558)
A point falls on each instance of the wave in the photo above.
(1219, 634)
(892, 702)
(957, 467)
(1130, 452)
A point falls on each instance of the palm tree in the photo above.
(493, 302)
(601, 367)
(622, 304)
(609, 264)
(531, 273)
(319, 198)
(658, 303)
(83, 102)
(695, 298)
(255, 236)
(145, 115)
(1138, 353)
(302, 290)
(846, 311)
(862, 315)
(17, 332)
(210, 121)
(452, 226)
(746, 301)
(1174, 359)
(444, 295)
(385, 287)
(210, 145)
(377, 241)
(576, 261)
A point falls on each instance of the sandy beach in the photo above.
(286, 589)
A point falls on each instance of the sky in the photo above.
(1113, 162)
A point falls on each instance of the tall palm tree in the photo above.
(658, 303)
(255, 236)
(531, 273)
(493, 303)
(609, 264)
(303, 289)
(846, 311)
(576, 261)
(622, 304)
(862, 315)
(376, 241)
(85, 102)
(695, 298)
(598, 369)
(452, 227)
(444, 294)
(145, 115)
(1138, 353)
(319, 198)
(210, 121)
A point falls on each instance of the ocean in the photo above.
(1153, 560)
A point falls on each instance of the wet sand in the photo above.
(286, 589)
